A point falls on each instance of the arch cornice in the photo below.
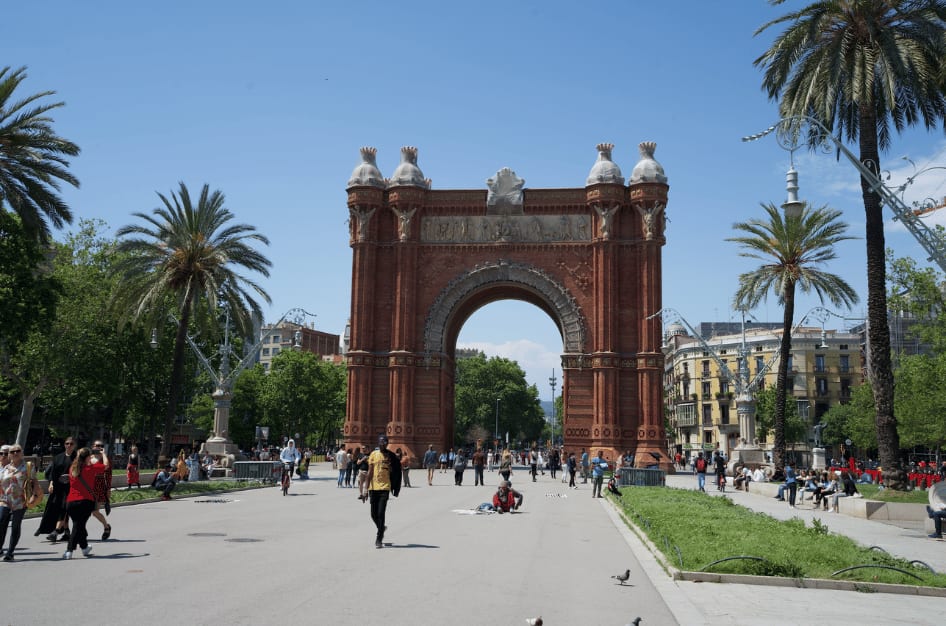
(557, 298)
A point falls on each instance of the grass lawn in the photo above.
(706, 529)
(183, 488)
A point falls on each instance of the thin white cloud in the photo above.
(532, 357)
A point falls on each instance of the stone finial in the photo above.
(648, 170)
(605, 170)
(366, 173)
(407, 173)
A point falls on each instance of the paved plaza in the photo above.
(256, 557)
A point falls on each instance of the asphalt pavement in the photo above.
(256, 557)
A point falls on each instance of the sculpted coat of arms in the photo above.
(505, 193)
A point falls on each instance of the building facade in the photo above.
(825, 365)
(292, 336)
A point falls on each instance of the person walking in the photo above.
(384, 480)
(341, 463)
(81, 499)
(405, 459)
(505, 465)
(572, 470)
(19, 491)
(430, 464)
(700, 468)
(584, 466)
(361, 466)
(479, 465)
(792, 484)
(133, 477)
(55, 519)
(103, 491)
(459, 466)
(533, 463)
(598, 467)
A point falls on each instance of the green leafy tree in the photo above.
(28, 290)
(921, 400)
(864, 68)
(191, 252)
(304, 394)
(919, 292)
(479, 383)
(854, 421)
(796, 428)
(792, 249)
(32, 158)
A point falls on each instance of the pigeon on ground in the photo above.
(623, 577)
(636, 622)
(534, 621)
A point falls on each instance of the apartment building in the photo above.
(701, 398)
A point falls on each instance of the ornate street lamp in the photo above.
(552, 382)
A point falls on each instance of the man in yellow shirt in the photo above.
(384, 478)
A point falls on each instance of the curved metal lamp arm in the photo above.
(789, 129)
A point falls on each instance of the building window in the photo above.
(819, 363)
(274, 339)
(843, 346)
(706, 370)
(821, 384)
(265, 367)
(791, 363)
(265, 351)
(707, 388)
(845, 365)
(707, 414)
(275, 351)
(724, 415)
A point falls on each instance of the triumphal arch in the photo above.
(425, 259)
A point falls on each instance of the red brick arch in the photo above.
(425, 260)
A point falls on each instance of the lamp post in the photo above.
(552, 382)
(497, 418)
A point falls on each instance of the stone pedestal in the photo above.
(748, 454)
(818, 461)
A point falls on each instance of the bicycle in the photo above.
(286, 477)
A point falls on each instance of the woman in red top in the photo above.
(81, 499)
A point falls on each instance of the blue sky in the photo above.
(270, 102)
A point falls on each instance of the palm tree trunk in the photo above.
(177, 379)
(781, 384)
(878, 331)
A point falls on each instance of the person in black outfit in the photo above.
(720, 464)
(55, 519)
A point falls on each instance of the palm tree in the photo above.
(791, 248)
(32, 158)
(860, 66)
(189, 253)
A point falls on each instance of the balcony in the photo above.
(685, 421)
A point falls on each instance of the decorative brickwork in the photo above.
(424, 260)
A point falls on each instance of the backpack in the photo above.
(701, 464)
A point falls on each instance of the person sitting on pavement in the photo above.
(758, 475)
(165, 481)
(506, 499)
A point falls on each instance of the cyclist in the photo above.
(290, 457)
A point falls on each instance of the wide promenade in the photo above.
(256, 557)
